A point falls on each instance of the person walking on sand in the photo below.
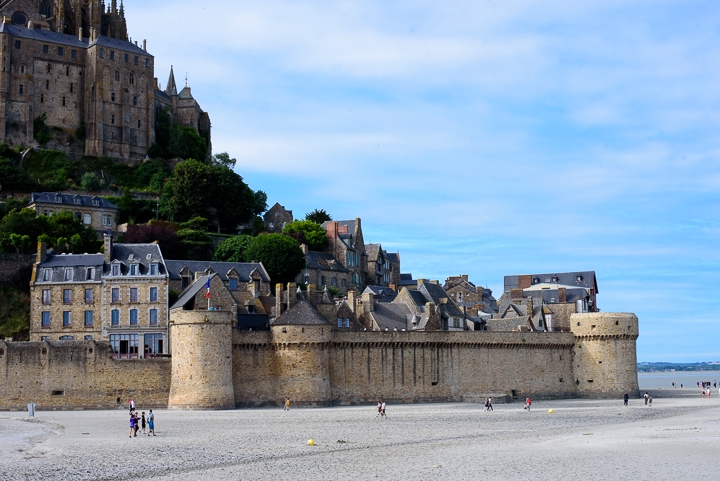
(490, 408)
(142, 423)
(151, 423)
(625, 399)
(132, 405)
(287, 404)
(646, 397)
(486, 404)
(132, 424)
(379, 409)
(382, 410)
(528, 402)
(650, 400)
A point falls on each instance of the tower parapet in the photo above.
(605, 355)
(202, 375)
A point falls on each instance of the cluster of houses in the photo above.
(126, 294)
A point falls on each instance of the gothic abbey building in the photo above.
(73, 61)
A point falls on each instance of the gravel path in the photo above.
(587, 439)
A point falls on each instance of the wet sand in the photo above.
(582, 439)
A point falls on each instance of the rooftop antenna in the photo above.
(186, 77)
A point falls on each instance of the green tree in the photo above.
(186, 143)
(90, 181)
(41, 131)
(319, 216)
(223, 159)
(21, 222)
(232, 249)
(281, 255)
(307, 232)
(14, 179)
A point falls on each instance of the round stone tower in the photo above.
(201, 344)
(301, 336)
(605, 355)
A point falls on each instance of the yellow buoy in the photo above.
(311, 442)
(550, 411)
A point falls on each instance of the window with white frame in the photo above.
(47, 274)
(115, 269)
(45, 319)
(67, 318)
(67, 296)
(153, 314)
(46, 296)
(68, 276)
(133, 317)
(89, 296)
(87, 219)
(89, 318)
(115, 317)
(133, 294)
(153, 294)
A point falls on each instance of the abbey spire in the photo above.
(171, 87)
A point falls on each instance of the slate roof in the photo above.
(302, 313)
(43, 35)
(381, 293)
(548, 293)
(393, 257)
(79, 263)
(244, 269)
(587, 280)
(392, 316)
(185, 93)
(70, 199)
(142, 254)
(406, 280)
(434, 292)
(192, 290)
(373, 251)
(346, 238)
(119, 44)
(324, 262)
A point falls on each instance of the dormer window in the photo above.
(133, 270)
(578, 278)
(535, 280)
(90, 274)
(58, 199)
(153, 269)
(47, 274)
(115, 270)
(554, 278)
(95, 202)
(232, 283)
(68, 274)
(76, 200)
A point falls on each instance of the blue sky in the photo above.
(483, 137)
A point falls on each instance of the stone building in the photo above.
(119, 296)
(347, 245)
(237, 276)
(276, 217)
(97, 212)
(467, 295)
(323, 269)
(383, 267)
(74, 63)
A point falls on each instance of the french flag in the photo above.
(207, 286)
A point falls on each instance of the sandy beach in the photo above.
(582, 439)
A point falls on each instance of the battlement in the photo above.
(599, 324)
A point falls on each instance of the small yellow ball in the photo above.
(550, 411)
(311, 442)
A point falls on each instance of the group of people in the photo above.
(706, 388)
(140, 422)
(381, 409)
(648, 399)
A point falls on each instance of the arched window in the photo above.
(132, 78)
(46, 8)
(117, 75)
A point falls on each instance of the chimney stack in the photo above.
(352, 301)
(291, 294)
(368, 302)
(41, 252)
(312, 293)
(107, 247)
(278, 300)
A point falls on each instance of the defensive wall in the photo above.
(216, 367)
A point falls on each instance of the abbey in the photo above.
(71, 64)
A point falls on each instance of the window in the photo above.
(135, 103)
(67, 296)
(47, 274)
(153, 344)
(153, 317)
(112, 57)
(133, 294)
(139, 124)
(153, 269)
(322, 280)
(112, 117)
(343, 282)
(42, 98)
(132, 78)
(47, 85)
(20, 89)
(49, 68)
(126, 58)
(68, 274)
(90, 274)
(133, 317)
(45, 319)
(115, 294)
(46, 48)
(71, 87)
(106, 220)
(347, 322)
(115, 317)
(95, 202)
(73, 53)
(60, 51)
(63, 101)
(112, 96)
(101, 53)
(67, 319)
(333, 281)
(88, 338)
(67, 338)
(117, 72)
(125, 346)
(18, 44)
(88, 296)
(233, 284)
(115, 270)
(88, 318)
(134, 270)
(67, 71)
(153, 294)
(44, 338)
(147, 62)
(46, 296)
(340, 322)
(185, 281)
(137, 59)
(87, 219)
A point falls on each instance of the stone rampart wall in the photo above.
(71, 375)
(12, 266)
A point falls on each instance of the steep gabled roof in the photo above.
(244, 269)
(324, 261)
(391, 316)
(60, 198)
(192, 290)
(302, 313)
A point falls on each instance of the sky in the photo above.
(486, 138)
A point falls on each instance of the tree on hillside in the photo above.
(14, 179)
(232, 249)
(224, 160)
(164, 235)
(197, 189)
(61, 231)
(281, 255)
(198, 246)
(307, 232)
(319, 216)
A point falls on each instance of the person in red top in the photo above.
(528, 402)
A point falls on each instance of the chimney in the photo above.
(79, 33)
(352, 302)
(145, 45)
(312, 293)
(278, 300)
(524, 282)
(393, 287)
(516, 294)
(41, 252)
(368, 302)
(436, 282)
(291, 294)
(464, 277)
(107, 247)
(420, 282)
(331, 229)
(529, 305)
(562, 295)
(304, 249)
